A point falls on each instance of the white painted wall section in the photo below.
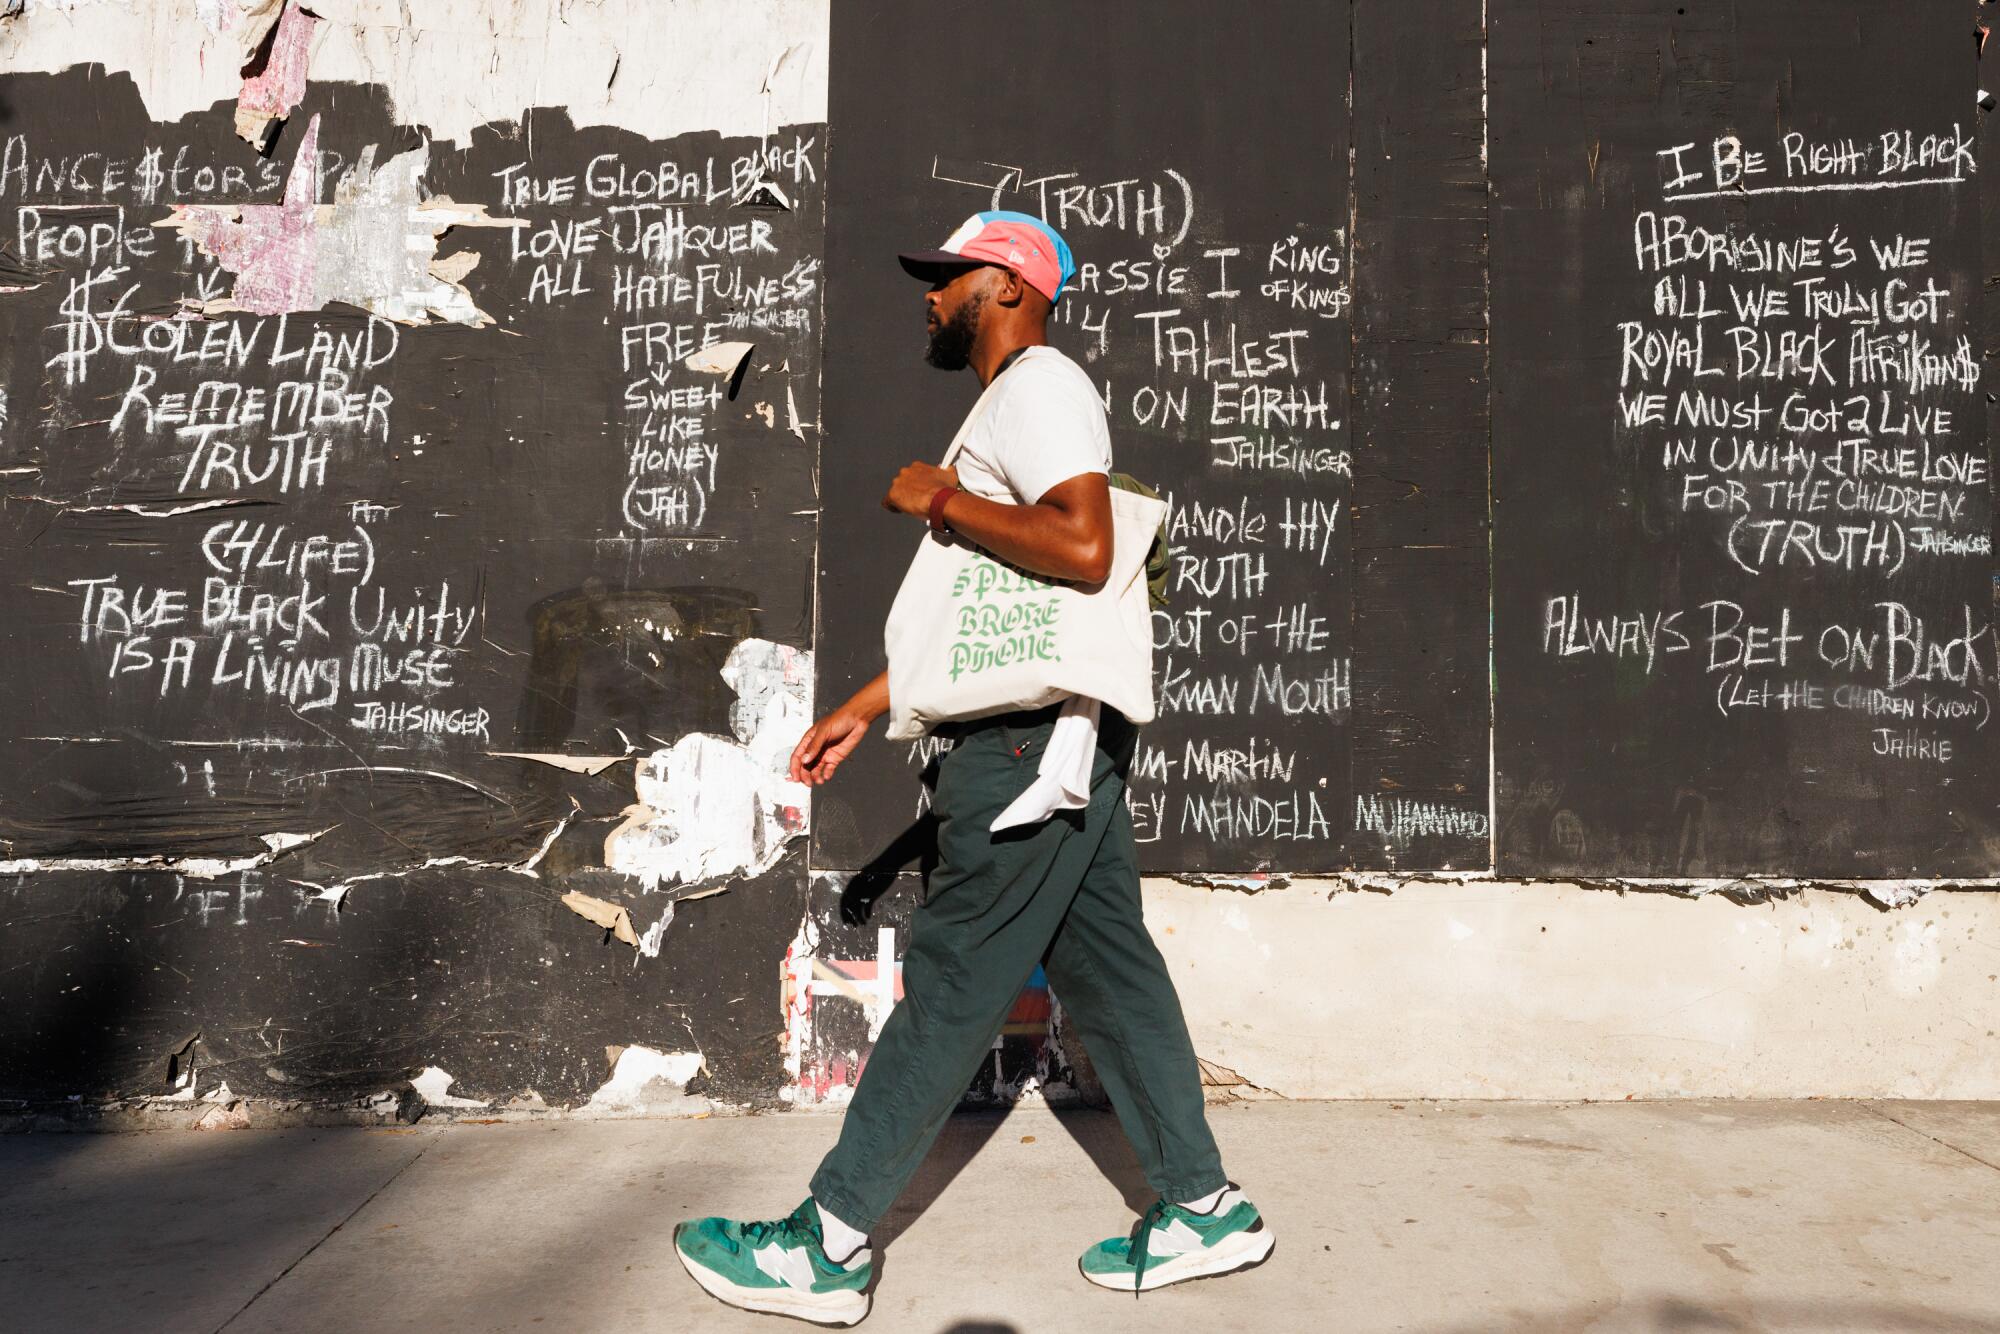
(657, 67)
(1498, 990)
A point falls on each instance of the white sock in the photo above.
(1205, 1203)
(844, 1246)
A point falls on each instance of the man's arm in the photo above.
(834, 737)
(1064, 535)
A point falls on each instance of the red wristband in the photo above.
(938, 502)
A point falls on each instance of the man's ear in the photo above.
(1008, 289)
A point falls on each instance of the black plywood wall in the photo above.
(1464, 339)
(294, 601)
(1281, 301)
(1744, 608)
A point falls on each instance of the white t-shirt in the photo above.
(1044, 425)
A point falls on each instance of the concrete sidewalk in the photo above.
(1418, 1216)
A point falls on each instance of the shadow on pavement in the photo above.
(1097, 1133)
(174, 1230)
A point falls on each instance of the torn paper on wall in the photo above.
(1251, 883)
(588, 765)
(334, 896)
(709, 806)
(797, 1002)
(646, 1080)
(180, 1069)
(219, 16)
(433, 1087)
(195, 868)
(837, 1000)
(279, 85)
(613, 917)
(456, 66)
(792, 423)
(719, 358)
(269, 247)
(251, 20)
(1895, 893)
(1221, 1084)
(374, 247)
(824, 1065)
(760, 671)
(649, 943)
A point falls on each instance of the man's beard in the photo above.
(951, 342)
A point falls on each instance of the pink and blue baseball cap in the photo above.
(1018, 241)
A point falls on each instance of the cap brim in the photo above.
(925, 264)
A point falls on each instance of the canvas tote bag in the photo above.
(970, 636)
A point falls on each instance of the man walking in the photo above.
(1036, 862)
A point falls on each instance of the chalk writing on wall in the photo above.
(370, 458)
(1810, 398)
(1211, 310)
(1220, 366)
(1777, 448)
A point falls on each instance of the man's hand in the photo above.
(914, 486)
(826, 743)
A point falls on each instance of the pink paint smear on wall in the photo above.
(269, 247)
(273, 92)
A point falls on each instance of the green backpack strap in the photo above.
(1160, 557)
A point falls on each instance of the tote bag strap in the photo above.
(979, 409)
(965, 427)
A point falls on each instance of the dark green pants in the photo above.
(1063, 893)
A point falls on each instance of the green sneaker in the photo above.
(1173, 1243)
(779, 1267)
